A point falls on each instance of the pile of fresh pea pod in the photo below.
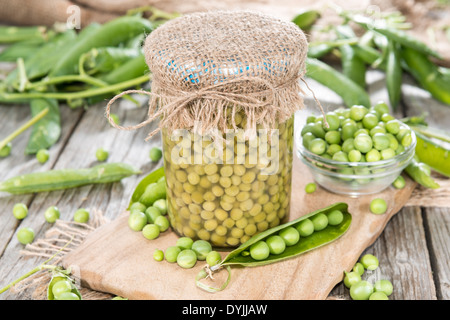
(78, 68)
(385, 46)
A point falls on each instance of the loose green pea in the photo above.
(52, 214)
(151, 231)
(384, 286)
(137, 221)
(161, 205)
(359, 268)
(305, 227)
(60, 287)
(399, 182)
(6, 150)
(213, 258)
(101, 155)
(171, 254)
(25, 235)
(310, 187)
(20, 211)
(42, 155)
(187, 259)
(201, 249)
(155, 154)
(276, 244)
(152, 213)
(158, 255)
(361, 290)
(378, 206)
(335, 217)
(290, 236)
(369, 261)
(259, 250)
(81, 215)
(68, 296)
(351, 278)
(137, 206)
(162, 222)
(320, 221)
(184, 243)
(378, 296)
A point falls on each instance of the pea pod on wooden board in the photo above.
(152, 177)
(67, 178)
(314, 240)
(348, 90)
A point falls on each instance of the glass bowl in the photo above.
(355, 178)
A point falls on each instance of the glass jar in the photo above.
(227, 187)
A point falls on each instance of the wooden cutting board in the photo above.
(117, 260)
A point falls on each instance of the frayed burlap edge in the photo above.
(60, 239)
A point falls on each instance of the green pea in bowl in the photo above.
(342, 176)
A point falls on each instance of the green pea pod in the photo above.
(348, 90)
(107, 58)
(306, 19)
(427, 74)
(420, 172)
(67, 178)
(152, 177)
(394, 75)
(319, 50)
(22, 49)
(432, 148)
(16, 34)
(368, 54)
(315, 240)
(111, 33)
(45, 132)
(60, 276)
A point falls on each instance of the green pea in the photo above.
(381, 108)
(171, 254)
(137, 221)
(310, 187)
(162, 222)
(386, 117)
(378, 296)
(320, 221)
(370, 121)
(335, 217)
(333, 137)
(333, 148)
(380, 141)
(393, 126)
(305, 227)
(361, 290)
(363, 143)
(101, 155)
(20, 211)
(360, 131)
(399, 182)
(354, 156)
(161, 205)
(384, 286)
(52, 214)
(150, 231)
(373, 155)
(357, 112)
(377, 129)
(359, 268)
(406, 140)
(184, 243)
(333, 121)
(61, 286)
(290, 236)
(348, 145)
(81, 215)
(351, 278)
(317, 146)
(155, 154)
(348, 130)
(42, 155)
(393, 142)
(137, 206)
(310, 119)
(25, 235)
(201, 249)
(158, 255)
(6, 150)
(68, 296)
(340, 156)
(387, 154)
(307, 138)
(213, 258)
(187, 259)
(259, 250)
(276, 244)
(378, 206)
(152, 213)
(369, 261)
(317, 130)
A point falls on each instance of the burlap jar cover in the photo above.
(212, 72)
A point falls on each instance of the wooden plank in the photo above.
(437, 226)
(92, 132)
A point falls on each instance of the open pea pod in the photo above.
(305, 244)
(149, 179)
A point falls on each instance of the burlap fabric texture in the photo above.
(205, 64)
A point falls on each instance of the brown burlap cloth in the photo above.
(206, 67)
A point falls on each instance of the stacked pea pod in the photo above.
(79, 69)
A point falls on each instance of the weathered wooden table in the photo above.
(413, 250)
